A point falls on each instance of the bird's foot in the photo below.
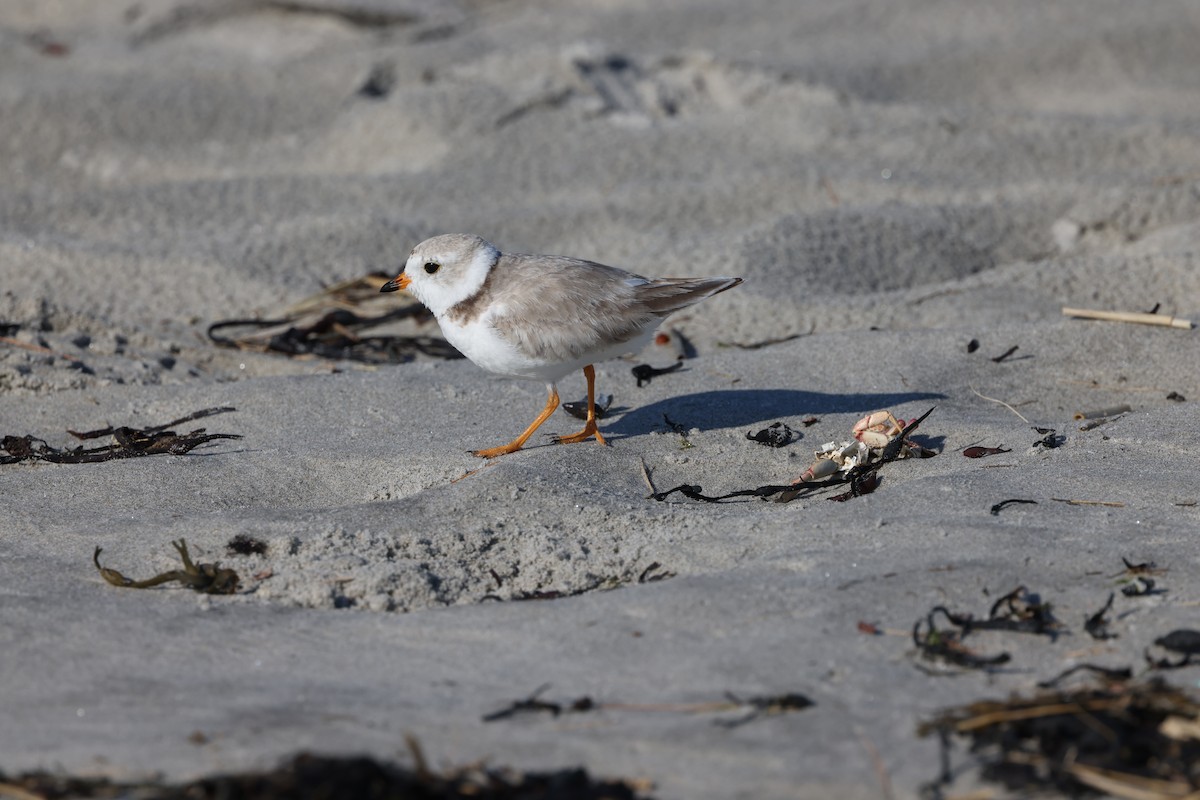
(589, 430)
(502, 450)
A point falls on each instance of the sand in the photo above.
(893, 180)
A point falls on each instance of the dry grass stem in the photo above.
(1001, 402)
(1129, 316)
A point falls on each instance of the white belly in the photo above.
(479, 342)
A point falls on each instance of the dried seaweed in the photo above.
(940, 644)
(195, 415)
(379, 82)
(556, 594)
(1003, 504)
(1097, 624)
(861, 479)
(980, 452)
(1016, 612)
(129, 443)
(1137, 577)
(579, 409)
(534, 704)
(1184, 641)
(332, 336)
(1133, 740)
(765, 706)
(651, 574)
(1050, 438)
(1019, 611)
(244, 545)
(648, 575)
(313, 777)
(776, 435)
(206, 578)
(333, 324)
(1140, 587)
(694, 492)
(998, 359)
(1108, 673)
(757, 707)
(680, 430)
(859, 485)
(644, 373)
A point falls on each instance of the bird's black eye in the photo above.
(432, 267)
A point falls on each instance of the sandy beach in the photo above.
(912, 192)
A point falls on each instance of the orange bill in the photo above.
(401, 281)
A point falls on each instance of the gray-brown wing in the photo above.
(579, 307)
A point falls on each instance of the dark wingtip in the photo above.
(732, 283)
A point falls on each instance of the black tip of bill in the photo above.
(390, 286)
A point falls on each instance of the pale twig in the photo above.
(828, 187)
(1129, 316)
(418, 757)
(1127, 785)
(1001, 402)
(35, 348)
(1110, 387)
(18, 792)
(1097, 413)
(475, 471)
(881, 772)
(646, 477)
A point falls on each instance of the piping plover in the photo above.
(541, 317)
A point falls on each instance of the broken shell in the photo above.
(821, 468)
(878, 428)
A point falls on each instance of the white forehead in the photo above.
(453, 248)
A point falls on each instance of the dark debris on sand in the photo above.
(128, 443)
(313, 777)
(1113, 736)
(336, 323)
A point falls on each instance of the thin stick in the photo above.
(1110, 388)
(828, 187)
(1129, 316)
(35, 348)
(18, 792)
(469, 473)
(1129, 786)
(418, 757)
(679, 708)
(646, 477)
(881, 773)
(1001, 402)
(989, 718)
(1096, 413)
(1108, 503)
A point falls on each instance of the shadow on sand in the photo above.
(732, 408)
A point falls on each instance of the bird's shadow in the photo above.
(731, 408)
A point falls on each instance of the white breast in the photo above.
(479, 342)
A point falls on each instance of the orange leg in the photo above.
(517, 443)
(590, 428)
